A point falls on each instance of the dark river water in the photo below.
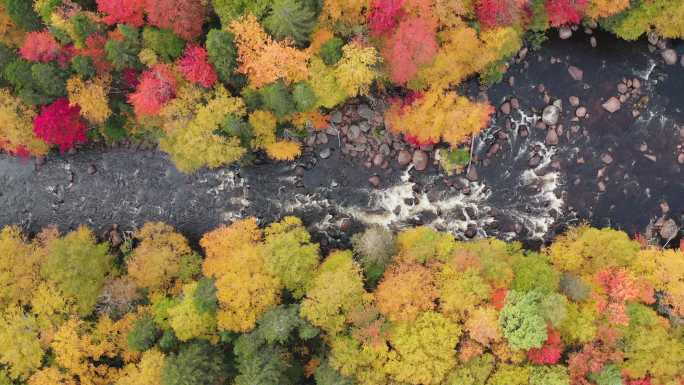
(513, 198)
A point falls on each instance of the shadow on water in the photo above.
(526, 190)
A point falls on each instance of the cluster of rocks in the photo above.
(359, 131)
(669, 55)
(565, 32)
(680, 147)
(627, 90)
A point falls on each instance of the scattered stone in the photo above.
(540, 125)
(670, 56)
(574, 101)
(550, 115)
(368, 164)
(601, 186)
(541, 88)
(493, 150)
(635, 113)
(636, 83)
(651, 157)
(662, 44)
(669, 230)
(622, 88)
(354, 132)
(643, 147)
(581, 112)
(534, 161)
(564, 32)
(622, 98)
(378, 159)
(420, 160)
(576, 73)
(374, 181)
(345, 224)
(511, 81)
(472, 173)
(612, 105)
(680, 158)
(470, 232)
(593, 42)
(384, 149)
(524, 132)
(40, 160)
(322, 138)
(114, 236)
(551, 137)
(547, 99)
(515, 103)
(365, 112)
(336, 117)
(404, 158)
(523, 53)
(91, 169)
(606, 158)
(506, 108)
(299, 171)
(325, 153)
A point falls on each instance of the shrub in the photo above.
(163, 42)
(331, 51)
(196, 68)
(277, 98)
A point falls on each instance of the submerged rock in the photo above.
(420, 160)
(550, 115)
(670, 56)
(612, 105)
(576, 73)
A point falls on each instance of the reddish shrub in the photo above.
(499, 298)
(384, 16)
(565, 11)
(196, 68)
(60, 124)
(122, 11)
(413, 44)
(184, 17)
(497, 13)
(41, 47)
(94, 49)
(550, 353)
(157, 86)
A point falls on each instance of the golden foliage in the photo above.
(20, 347)
(263, 60)
(356, 70)
(197, 144)
(264, 128)
(91, 96)
(147, 372)
(348, 12)
(664, 269)
(19, 267)
(284, 150)
(156, 262)
(244, 288)
(440, 115)
(604, 8)
(51, 376)
(187, 321)
(10, 33)
(405, 291)
(16, 130)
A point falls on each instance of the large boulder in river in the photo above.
(612, 105)
(550, 115)
(670, 56)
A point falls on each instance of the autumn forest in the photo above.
(216, 85)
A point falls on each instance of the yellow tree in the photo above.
(146, 372)
(357, 69)
(405, 291)
(424, 350)
(160, 257)
(16, 131)
(187, 321)
(336, 291)
(91, 96)
(263, 60)
(604, 8)
(19, 267)
(51, 376)
(199, 132)
(440, 115)
(245, 289)
(20, 348)
(344, 13)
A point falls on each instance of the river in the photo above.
(513, 198)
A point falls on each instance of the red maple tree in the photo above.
(497, 13)
(384, 16)
(562, 12)
(122, 11)
(157, 86)
(550, 352)
(41, 47)
(413, 44)
(195, 66)
(184, 17)
(60, 124)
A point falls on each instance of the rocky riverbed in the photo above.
(586, 129)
